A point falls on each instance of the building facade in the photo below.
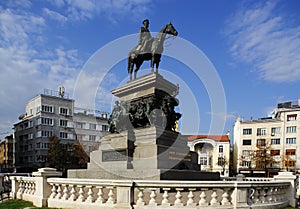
(7, 155)
(263, 147)
(48, 114)
(213, 152)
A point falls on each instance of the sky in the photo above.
(231, 58)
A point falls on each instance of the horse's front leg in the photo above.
(152, 63)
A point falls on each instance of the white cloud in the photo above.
(78, 10)
(55, 15)
(26, 67)
(266, 39)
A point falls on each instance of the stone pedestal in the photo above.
(146, 145)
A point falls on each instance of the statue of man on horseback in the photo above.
(144, 37)
(148, 48)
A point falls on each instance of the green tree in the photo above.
(57, 154)
(66, 156)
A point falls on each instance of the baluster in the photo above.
(110, 199)
(225, 200)
(263, 195)
(275, 194)
(65, 192)
(90, 193)
(165, 202)
(25, 187)
(33, 188)
(99, 194)
(152, 201)
(178, 196)
(73, 196)
(270, 194)
(256, 199)
(140, 200)
(53, 191)
(214, 200)
(21, 189)
(59, 192)
(202, 201)
(81, 193)
(190, 201)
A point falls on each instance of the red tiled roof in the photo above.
(221, 138)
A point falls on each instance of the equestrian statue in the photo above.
(149, 48)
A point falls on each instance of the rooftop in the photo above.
(218, 138)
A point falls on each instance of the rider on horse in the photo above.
(145, 38)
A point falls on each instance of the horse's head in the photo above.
(169, 29)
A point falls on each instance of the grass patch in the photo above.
(15, 204)
(18, 204)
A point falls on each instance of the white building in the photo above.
(49, 114)
(213, 152)
(279, 134)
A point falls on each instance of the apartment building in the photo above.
(213, 152)
(7, 155)
(275, 139)
(48, 114)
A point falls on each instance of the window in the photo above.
(63, 123)
(104, 127)
(92, 126)
(92, 137)
(290, 163)
(221, 148)
(203, 160)
(63, 111)
(261, 131)
(47, 108)
(45, 121)
(246, 163)
(275, 152)
(291, 129)
(275, 130)
(79, 136)
(221, 161)
(247, 142)
(291, 117)
(246, 153)
(290, 152)
(261, 142)
(291, 140)
(80, 125)
(275, 141)
(44, 133)
(247, 131)
(63, 135)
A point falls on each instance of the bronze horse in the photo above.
(153, 54)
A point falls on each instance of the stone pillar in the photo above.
(14, 187)
(291, 192)
(125, 195)
(43, 189)
(239, 196)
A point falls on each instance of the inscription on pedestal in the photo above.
(180, 156)
(114, 155)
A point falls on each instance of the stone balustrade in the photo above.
(144, 194)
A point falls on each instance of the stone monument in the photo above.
(144, 142)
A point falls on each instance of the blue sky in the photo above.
(247, 59)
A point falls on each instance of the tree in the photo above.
(66, 156)
(57, 154)
(223, 162)
(287, 162)
(78, 156)
(262, 157)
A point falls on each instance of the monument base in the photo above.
(143, 143)
(146, 153)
